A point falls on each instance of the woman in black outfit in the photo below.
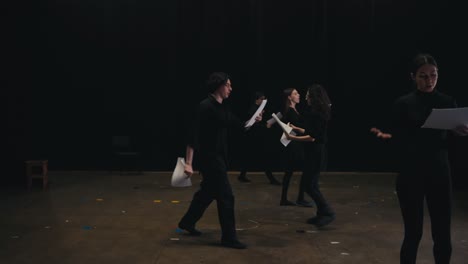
(256, 144)
(424, 171)
(294, 153)
(314, 137)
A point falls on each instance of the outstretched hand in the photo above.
(380, 134)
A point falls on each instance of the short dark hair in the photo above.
(258, 95)
(215, 80)
(420, 60)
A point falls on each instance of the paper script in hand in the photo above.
(179, 178)
(257, 113)
(447, 118)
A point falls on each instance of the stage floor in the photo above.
(102, 217)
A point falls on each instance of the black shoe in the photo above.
(233, 244)
(192, 231)
(321, 220)
(275, 182)
(272, 178)
(287, 203)
(304, 203)
(312, 220)
(243, 179)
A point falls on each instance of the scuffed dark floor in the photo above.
(98, 217)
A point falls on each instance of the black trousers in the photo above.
(293, 158)
(214, 186)
(314, 157)
(428, 179)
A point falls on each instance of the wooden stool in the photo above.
(43, 164)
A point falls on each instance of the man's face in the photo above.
(225, 90)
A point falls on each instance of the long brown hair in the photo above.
(318, 100)
(286, 93)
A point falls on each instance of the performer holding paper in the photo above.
(293, 152)
(313, 136)
(424, 170)
(209, 140)
(257, 145)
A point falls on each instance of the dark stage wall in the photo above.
(79, 72)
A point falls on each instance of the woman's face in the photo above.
(426, 78)
(295, 97)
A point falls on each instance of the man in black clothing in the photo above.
(209, 140)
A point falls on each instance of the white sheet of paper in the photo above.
(284, 140)
(259, 110)
(447, 118)
(286, 129)
(272, 120)
(179, 178)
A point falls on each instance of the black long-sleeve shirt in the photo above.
(293, 117)
(210, 130)
(409, 114)
(316, 126)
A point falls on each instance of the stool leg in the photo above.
(45, 176)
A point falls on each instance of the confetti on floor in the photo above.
(334, 242)
(156, 201)
(344, 254)
(99, 200)
(174, 238)
(174, 202)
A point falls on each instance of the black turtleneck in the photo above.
(409, 114)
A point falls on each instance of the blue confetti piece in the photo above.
(87, 227)
(178, 230)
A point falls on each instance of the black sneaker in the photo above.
(192, 231)
(275, 182)
(233, 244)
(243, 179)
(312, 220)
(321, 220)
(304, 203)
(287, 203)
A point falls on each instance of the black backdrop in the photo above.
(78, 72)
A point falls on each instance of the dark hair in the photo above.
(258, 94)
(319, 101)
(286, 93)
(215, 80)
(420, 60)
